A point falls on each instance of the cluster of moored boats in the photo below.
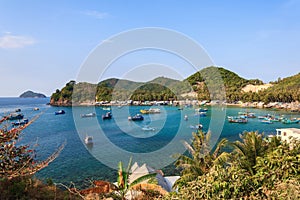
(17, 117)
(266, 119)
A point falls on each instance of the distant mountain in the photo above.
(162, 88)
(30, 94)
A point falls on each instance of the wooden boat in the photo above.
(240, 120)
(59, 112)
(15, 116)
(290, 121)
(266, 121)
(107, 115)
(136, 117)
(20, 123)
(88, 115)
(150, 111)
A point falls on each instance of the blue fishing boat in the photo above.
(20, 123)
(15, 116)
(59, 112)
(136, 117)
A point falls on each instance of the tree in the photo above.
(200, 157)
(18, 160)
(246, 151)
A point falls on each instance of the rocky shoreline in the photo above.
(293, 106)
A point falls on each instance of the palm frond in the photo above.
(141, 179)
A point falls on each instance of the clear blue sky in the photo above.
(43, 43)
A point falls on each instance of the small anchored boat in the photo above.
(15, 116)
(59, 112)
(107, 115)
(88, 140)
(88, 115)
(136, 117)
(148, 128)
(197, 126)
(20, 123)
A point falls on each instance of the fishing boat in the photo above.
(201, 114)
(240, 119)
(148, 128)
(88, 140)
(150, 111)
(15, 116)
(290, 121)
(186, 117)
(106, 108)
(88, 115)
(59, 112)
(20, 123)
(107, 115)
(201, 109)
(136, 117)
(266, 121)
(197, 126)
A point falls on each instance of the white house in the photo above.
(287, 133)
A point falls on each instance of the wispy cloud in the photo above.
(9, 41)
(96, 14)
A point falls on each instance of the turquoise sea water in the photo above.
(79, 164)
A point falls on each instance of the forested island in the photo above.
(194, 87)
(31, 94)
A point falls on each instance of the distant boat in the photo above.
(88, 140)
(14, 116)
(36, 108)
(59, 112)
(19, 123)
(136, 117)
(186, 117)
(148, 128)
(201, 114)
(237, 120)
(150, 111)
(18, 110)
(266, 121)
(290, 121)
(107, 115)
(201, 109)
(198, 126)
(106, 108)
(88, 115)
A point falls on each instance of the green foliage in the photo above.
(256, 169)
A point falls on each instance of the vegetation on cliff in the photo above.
(209, 83)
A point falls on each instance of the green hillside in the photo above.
(283, 90)
(161, 88)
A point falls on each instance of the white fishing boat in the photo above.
(88, 140)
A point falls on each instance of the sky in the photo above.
(43, 44)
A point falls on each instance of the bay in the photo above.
(80, 164)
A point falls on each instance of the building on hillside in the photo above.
(288, 133)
